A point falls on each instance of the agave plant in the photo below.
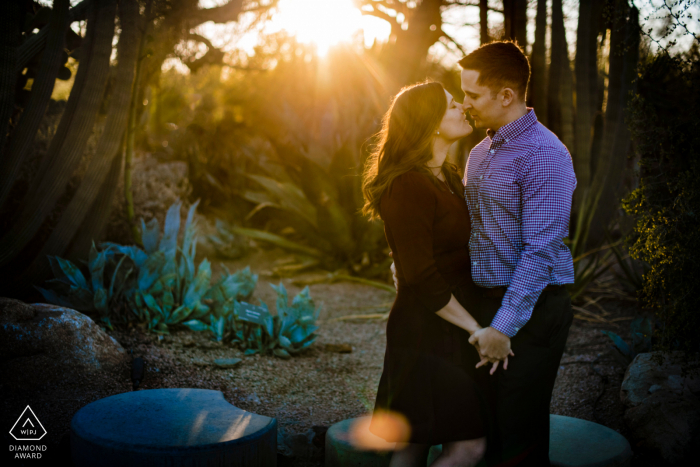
(158, 285)
(642, 329)
(588, 265)
(255, 330)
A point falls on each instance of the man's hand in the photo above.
(393, 274)
(493, 346)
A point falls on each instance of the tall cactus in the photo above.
(23, 136)
(560, 96)
(11, 12)
(68, 144)
(537, 97)
(484, 22)
(586, 61)
(75, 217)
(624, 55)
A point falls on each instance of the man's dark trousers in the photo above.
(520, 405)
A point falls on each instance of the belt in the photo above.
(499, 292)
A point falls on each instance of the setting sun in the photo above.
(326, 23)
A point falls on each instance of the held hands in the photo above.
(393, 276)
(493, 346)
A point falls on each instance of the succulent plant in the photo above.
(158, 285)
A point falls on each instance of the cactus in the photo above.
(12, 15)
(586, 83)
(107, 150)
(624, 54)
(538, 82)
(42, 88)
(69, 142)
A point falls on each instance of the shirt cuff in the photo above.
(506, 321)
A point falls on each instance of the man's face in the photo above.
(479, 101)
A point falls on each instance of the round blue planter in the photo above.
(573, 443)
(171, 427)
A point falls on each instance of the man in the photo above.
(519, 183)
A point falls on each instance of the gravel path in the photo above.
(319, 387)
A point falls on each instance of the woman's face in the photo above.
(454, 124)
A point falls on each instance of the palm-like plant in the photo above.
(318, 194)
(588, 264)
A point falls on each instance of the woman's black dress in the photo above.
(429, 373)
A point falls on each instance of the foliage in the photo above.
(255, 330)
(666, 132)
(158, 285)
(632, 271)
(300, 177)
(226, 243)
(591, 264)
(641, 330)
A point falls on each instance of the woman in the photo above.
(430, 380)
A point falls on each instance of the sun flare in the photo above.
(326, 23)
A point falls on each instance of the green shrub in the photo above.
(666, 206)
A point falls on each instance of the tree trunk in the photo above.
(68, 145)
(407, 56)
(28, 124)
(12, 14)
(556, 67)
(515, 21)
(586, 87)
(624, 55)
(567, 101)
(537, 93)
(484, 21)
(75, 219)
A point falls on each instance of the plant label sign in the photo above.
(252, 314)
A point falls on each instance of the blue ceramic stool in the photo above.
(171, 427)
(573, 443)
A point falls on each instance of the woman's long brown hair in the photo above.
(406, 143)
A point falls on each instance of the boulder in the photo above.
(40, 341)
(663, 407)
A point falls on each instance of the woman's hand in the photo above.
(485, 360)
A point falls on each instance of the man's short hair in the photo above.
(500, 64)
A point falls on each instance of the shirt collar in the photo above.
(514, 128)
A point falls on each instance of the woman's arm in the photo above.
(456, 314)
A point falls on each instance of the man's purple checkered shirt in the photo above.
(519, 183)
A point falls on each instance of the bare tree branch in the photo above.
(449, 38)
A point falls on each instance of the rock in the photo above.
(252, 398)
(227, 362)
(663, 408)
(300, 445)
(40, 341)
(338, 348)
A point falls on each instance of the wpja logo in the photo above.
(28, 428)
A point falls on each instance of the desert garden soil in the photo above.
(318, 387)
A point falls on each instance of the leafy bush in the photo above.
(666, 206)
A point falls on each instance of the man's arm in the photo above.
(547, 188)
